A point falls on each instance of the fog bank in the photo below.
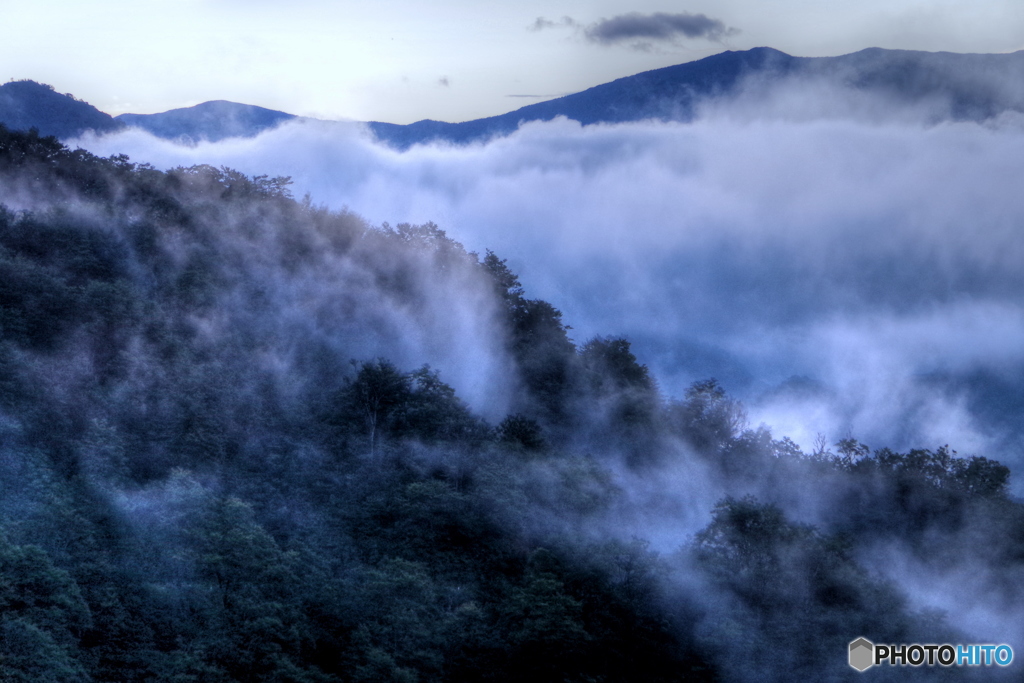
(845, 270)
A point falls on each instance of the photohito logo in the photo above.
(864, 654)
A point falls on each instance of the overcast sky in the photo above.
(401, 61)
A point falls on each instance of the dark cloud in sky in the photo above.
(641, 30)
(659, 26)
(542, 23)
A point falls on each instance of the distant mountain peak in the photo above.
(27, 104)
(970, 86)
(213, 120)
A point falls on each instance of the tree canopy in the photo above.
(236, 444)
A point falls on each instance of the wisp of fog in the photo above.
(253, 406)
(844, 268)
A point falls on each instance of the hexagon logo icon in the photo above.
(862, 654)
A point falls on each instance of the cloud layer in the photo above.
(850, 273)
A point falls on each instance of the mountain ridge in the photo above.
(973, 85)
(964, 86)
(27, 104)
(213, 121)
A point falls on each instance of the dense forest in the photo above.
(232, 449)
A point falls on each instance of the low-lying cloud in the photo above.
(850, 273)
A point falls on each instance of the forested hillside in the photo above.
(246, 438)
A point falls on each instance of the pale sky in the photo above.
(452, 60)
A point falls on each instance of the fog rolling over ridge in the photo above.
(250, 435)
(846, 262)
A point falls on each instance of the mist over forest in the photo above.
(646, 401)
(846, 263)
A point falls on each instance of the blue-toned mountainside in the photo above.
(961, 86)
(27, 104)
(212, 121)
(954, 86)
(670, 93)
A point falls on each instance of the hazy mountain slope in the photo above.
(671, 93)
(971, 86)
(27, 104)
(212, 121)
(960, 86)
(953, 86)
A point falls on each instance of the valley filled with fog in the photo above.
(670, 400)
(846, 265)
